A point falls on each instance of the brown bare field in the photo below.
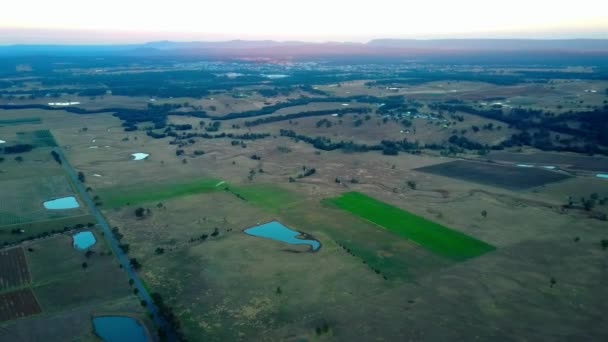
(570, 161)
(510, 177)
(13, 268)
(18, 304)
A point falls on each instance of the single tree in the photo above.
(411, 185)
(139, 212)
(135, 264)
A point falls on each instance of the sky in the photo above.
(130, 21)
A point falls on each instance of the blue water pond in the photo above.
(119, 329)
(276, 231)
(84, 240)
(62, 203)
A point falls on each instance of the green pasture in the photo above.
(155, 192)
(432, 236)
(19, 121)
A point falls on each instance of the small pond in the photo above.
(140, 156)
(274, 76)
(276, 231)
(84, 240)
(62, 203)
(525, 165)
(119, 329)
(602, 175)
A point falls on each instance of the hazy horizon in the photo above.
(41, 36)
(120, 22)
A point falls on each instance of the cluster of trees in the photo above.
(214, 127)
(324, 122)
(55, 156)
(44, 234)
(169, 316)
(276, 118)
(183, 127)
(467, 144)
(299, 102)
(190, 136)
(306, 173)
(286, 90)
(589, 128)
(388, 147)
(141, 212)
(417, 77)
(157, 114)
(173, 83)
(18, 148)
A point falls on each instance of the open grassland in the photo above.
(18, 304)
(13, 268)
(22, 199)
(146, 193)
(432, 236)
(356, 260)
(34, 164)
(27, 183)
(509, 177)
(60, 281)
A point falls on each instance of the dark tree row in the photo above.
(285, 117)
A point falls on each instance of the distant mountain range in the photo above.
(269, 48)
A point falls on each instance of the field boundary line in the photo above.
(41, 221)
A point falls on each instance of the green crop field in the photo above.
(267, 197)
(432, 236)
(40, 138)
(118, 197)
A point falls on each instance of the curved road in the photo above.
(114, 245)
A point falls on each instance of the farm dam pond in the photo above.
(119, 329)
(274, 230)
(84, 240)
(69, 202)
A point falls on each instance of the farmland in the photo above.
(13, 269)
(18, 304)
(510, 177)
(24, 197)
(44, 281)
(405, 177)
(434, 237)
(138, 194)
(571, 161)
